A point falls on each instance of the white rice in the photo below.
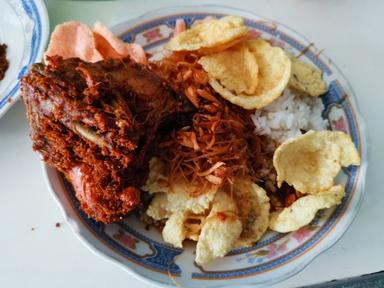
(288, 115)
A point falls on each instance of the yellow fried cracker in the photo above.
(193, 224)
(158, 207)
(157, 178)
(210, 34)
(254, 207)
(174, 231)
(164, 204)
(274, 70)
(220, 231)
(172, 197)
(235, 68)
(310, 162)
(304, 209)
(306, 78)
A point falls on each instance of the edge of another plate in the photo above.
(13, 92)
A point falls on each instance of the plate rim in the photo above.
(45, 29)
(304, 261)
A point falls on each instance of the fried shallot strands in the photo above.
(185, 75)
(215, 149)
(219, 139)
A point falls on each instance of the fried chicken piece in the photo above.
(96, 122)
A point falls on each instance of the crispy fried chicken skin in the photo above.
(96, 123)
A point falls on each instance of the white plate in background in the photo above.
(24, 28)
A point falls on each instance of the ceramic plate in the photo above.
(277, 256)
(24, 27)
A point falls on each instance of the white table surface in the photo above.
(351, 33)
